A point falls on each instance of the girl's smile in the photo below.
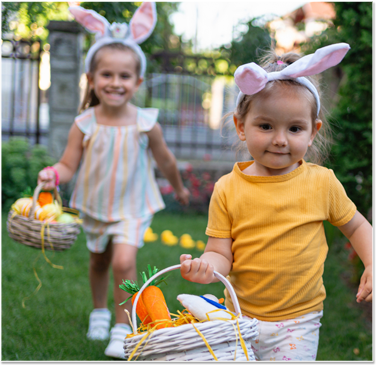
(278, 130)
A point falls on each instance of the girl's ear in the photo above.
(140, 81)
(239, 125)
(318, 125)
(143, 22)
(90, 79)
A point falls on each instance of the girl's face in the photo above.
(278, 130)
(115, 78)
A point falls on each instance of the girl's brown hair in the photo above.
(90, 99)
(320, 148)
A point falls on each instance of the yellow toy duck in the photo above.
(200, 245)
(186, 241)
(168, 238)
(150, 236)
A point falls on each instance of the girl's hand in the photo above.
(183, 196)
(365, 287)
(48, 177)
(197, 270)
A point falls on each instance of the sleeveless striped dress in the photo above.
(116, 178)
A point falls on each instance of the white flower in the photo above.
(118, 30)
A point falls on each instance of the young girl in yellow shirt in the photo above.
(266, 217)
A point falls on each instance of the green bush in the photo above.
(351, 117)
(21, 163)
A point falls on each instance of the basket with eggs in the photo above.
(42, 222)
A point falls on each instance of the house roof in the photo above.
(312, 11)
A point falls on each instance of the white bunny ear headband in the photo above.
(140, 27)
(251, 78)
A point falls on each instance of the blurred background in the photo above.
(192, 55)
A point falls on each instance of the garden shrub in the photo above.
(21, 163)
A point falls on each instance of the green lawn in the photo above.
(53, 325)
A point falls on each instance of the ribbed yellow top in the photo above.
(279, 245)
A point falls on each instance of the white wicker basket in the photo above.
(183, 343)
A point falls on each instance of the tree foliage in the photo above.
(29, 19)
(352, 116)
(248, 46)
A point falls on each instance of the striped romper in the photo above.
(116, 191)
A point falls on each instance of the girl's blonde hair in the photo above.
(90, 99)
(320, 149)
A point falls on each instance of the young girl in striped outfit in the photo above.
(115, 141)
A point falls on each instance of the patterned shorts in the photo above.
(289, 340)
(129, 231)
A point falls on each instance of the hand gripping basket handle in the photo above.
(36, 195)
(216, 274)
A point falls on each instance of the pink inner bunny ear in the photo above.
(143, 22)
(90, 19)
(320, 61)
(250, 78)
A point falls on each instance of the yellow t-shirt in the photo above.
(279, 245)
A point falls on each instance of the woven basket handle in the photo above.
(226, 283)
(36, 195)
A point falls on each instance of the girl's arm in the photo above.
(217, 257)
(68, 163)
(167, 163)
(359, 233)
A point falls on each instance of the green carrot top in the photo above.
(132, 287)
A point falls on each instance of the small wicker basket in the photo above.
(38, 234)
(183, 343)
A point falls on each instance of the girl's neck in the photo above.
(256, 169)
(116, 116)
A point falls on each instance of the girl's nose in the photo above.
(280, 139)
(115, 81)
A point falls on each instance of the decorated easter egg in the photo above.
(19, 204)
(65, 218)
(49, 211)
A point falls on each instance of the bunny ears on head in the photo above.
(251, 78)
(139, 29)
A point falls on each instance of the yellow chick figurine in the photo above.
(150, 236)
(200, 245)
(186, 241)
(168, 238)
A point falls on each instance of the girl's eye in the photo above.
(125, 76)
(265, 127)
(295, 129)
(105, 74)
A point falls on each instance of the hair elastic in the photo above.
(57, 177)
(139, 29)
(251, 78)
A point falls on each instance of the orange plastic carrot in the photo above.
(133, 288)
(141, 310)
(156, 306)
(45, 198)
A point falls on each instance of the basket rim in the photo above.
(188, 327)
(37, 222)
